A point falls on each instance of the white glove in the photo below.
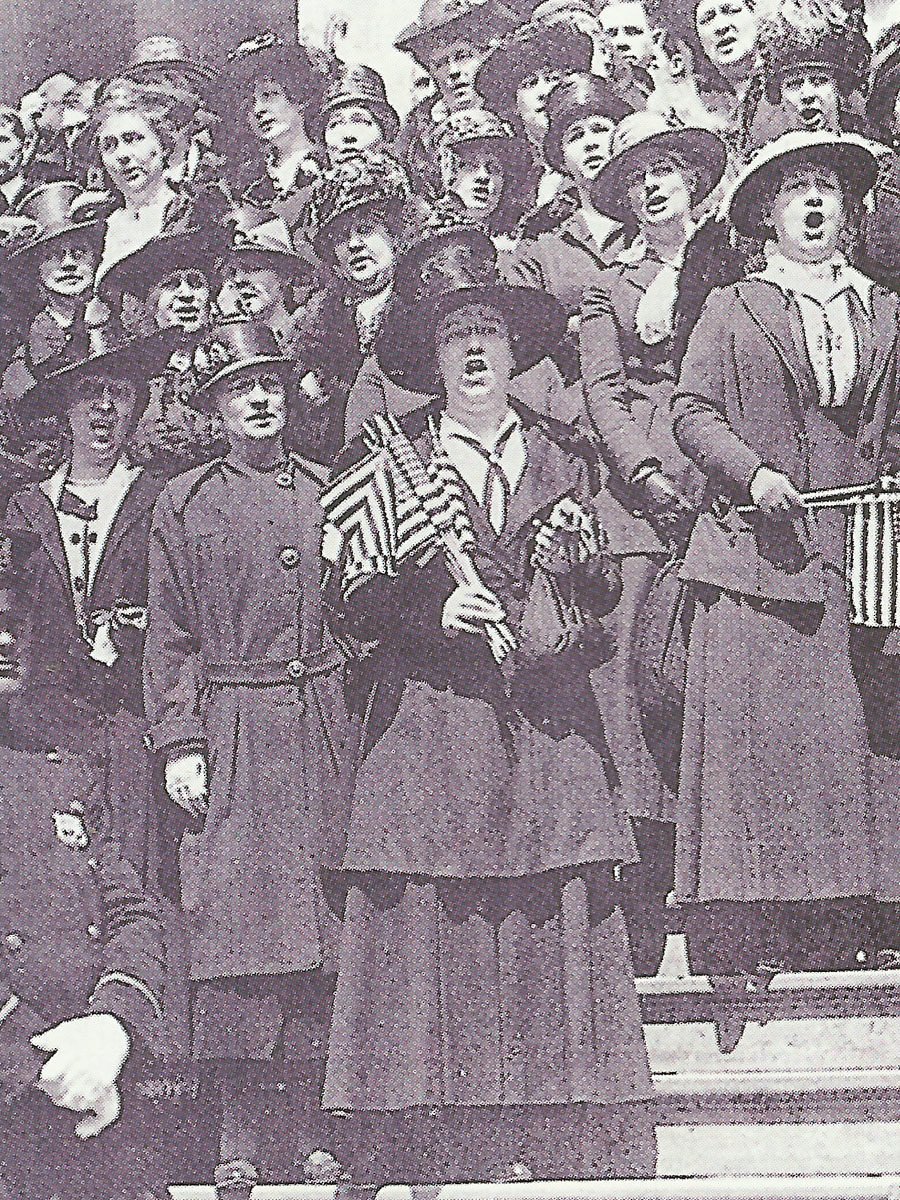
(468, 608)
(106, 1110)
(86, 1059)
(187, 783)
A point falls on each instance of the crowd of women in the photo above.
(468, 546)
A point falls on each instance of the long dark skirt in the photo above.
(774, 799)
(615, 685)
(485, 992)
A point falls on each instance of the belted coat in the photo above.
(238, 663)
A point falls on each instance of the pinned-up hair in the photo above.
(161, 112)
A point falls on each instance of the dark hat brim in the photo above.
(290, 265)
(139, 359)
(139, 273)
(703, 152)
(392, 207)
(407, 350)
(514, 151)
(482, 22)
(202, 398)
(607, 105)
(385, 114)
(853, 161)
(517, 58)
(139, 71)
(408, 271)
(25, 254)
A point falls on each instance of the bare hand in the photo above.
(568, 537)
(469, 608)
(772, 492)
(187, 783)
(87, 1055)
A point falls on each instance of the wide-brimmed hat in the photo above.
(844, 54)
(57, 210)
(536, 320)
(884, 90)
(444, 232)
(267, 55)
(268, 245)
(532, 47)
(159, 51)
(441, 21)
(576, 99)
(853, 159)
(233, 346)
(370, 181)
(643, 135)
(354, 85)
(112, 355)
(479, 129)
(139, 273)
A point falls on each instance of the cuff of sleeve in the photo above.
(132, 1002)
(174, 734)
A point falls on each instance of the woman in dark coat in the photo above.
(656, 177)
(244, 699)
(776, 835)
(485, 825)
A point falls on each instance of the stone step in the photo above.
(819, 1187)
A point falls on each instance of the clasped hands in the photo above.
(569, 536)
(87, 1055)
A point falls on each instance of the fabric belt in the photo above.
(269, 673)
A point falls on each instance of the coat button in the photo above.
(284, 479)
(290, 557)
(14, 942)
(93, 932)
(295, 669)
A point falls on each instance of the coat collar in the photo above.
(768, 306)
(549, 474)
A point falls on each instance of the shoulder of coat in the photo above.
(316, 472)
(183, 488)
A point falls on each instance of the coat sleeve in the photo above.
(699, 406)
(625, 447)
(171, 668)
(134, 960)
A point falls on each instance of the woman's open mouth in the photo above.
(725, 45)
(9, 668)
(656, 205)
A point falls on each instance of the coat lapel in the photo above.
(549, 474)
(767, 307)
(138, 502)
(37, 512)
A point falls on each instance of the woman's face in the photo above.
(351, 130)
(101, 417)
(478, 181)
(728, 30)
(69, 269)
(475, 357)
(585, 147)
(531, 96)
(252, 404)
(132, 152)
(182, 301)
(273, 116)
(811, 100)
(364, 249)
(808, 213)
(660, 191)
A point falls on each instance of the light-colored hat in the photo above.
(853, 159)
(643, 135)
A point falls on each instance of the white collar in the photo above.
(822, 282)
(119, 480)
(639, 250)
(13, 188)
(451, 427)
(372, 304)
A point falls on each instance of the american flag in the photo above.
(873, 561)
(393, 506)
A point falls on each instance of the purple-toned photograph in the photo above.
(450, 600)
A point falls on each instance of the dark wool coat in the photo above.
(238, 662)
(353, 385)
(773, 798)
(47, 347)
(467, 771)
(71, 912)
(72, 700)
